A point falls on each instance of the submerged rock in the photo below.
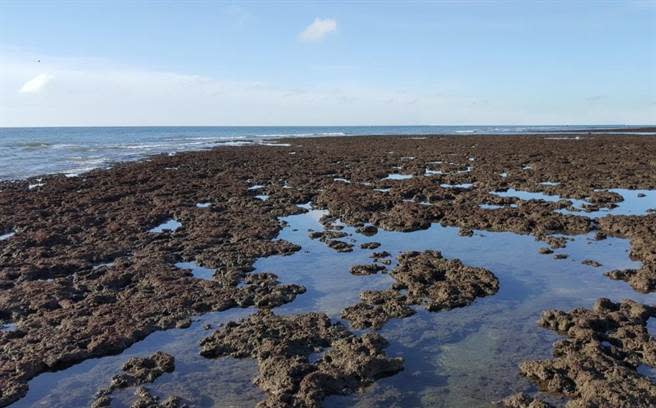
(596, 365)
(370, 245)
(591, 262)
(144, 399)
(523, 401)
(281, 345)
(138, 371)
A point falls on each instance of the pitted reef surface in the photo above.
(596, 365)
(282, 346)
(422, 278)
(68, 306)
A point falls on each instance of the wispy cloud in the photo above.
(319, 28)
(36, 84)
(91, 92)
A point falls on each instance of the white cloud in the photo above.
(319, 28)
(36, 84)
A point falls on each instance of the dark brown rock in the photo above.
(596, 365)
(281, 345)
(368, 269)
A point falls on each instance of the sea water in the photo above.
(27, 152)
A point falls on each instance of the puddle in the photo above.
(7, 236)
(203, 205)
(530, 195)
(397, 176)
(466, 186)
(647, 371)
(382, 190)
(168, 225)
(38, 183)
(198, 271)
(651, 327)
(504, 174)
(8, 327)
(430, 172)
(102, 265)
(225, 382)
(262, 197)
(343, 180)
(496, 207)
(256, 187)
(636, 202)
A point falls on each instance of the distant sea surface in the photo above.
(27, 152)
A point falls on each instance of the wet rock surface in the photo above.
(144, 399)
(596, 365)
(83, 277)
(439, 283)
(523, 401)
(422, 278)
(368, 269)
(282, 345)
(376, 308)
(641, 230)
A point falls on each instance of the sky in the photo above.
(124, 63)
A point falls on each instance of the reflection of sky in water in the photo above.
(7, 236)
(197, 270)
(631, 205)
(463, 185)
(396, 176)
(168, 225)
(465, 357)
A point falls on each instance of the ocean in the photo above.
(28, 152)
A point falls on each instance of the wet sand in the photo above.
(91, 266)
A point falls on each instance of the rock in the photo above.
(370, 245)
(440, 283)
(367, 230)
(143, 370)
(144, 399)
(369, 269)
(523, 401)
(281, 346)
(545, 250)
(376, 308)
(591, 262)
(429, 280)
(383, 254)
(340, 246)
(138, 371)
(596, 365)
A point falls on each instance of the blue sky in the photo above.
(326, 63)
